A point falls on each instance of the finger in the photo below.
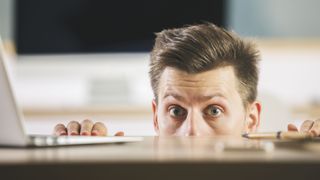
(86, 127)
(306, 126)
(99, 129)
(315, 129)
(60, 130)
(119, 133)
(73, 128)
(292, 127)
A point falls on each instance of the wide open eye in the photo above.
(213, 111)
(177, 112)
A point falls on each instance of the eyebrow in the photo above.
(202, 98)
(174, 95)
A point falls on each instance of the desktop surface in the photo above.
(166, 157)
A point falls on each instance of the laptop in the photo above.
(12, 130)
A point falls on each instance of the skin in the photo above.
(201, 104)
(85, 128)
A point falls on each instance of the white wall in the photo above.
(6, 19)
(83, 80)
(275, 18)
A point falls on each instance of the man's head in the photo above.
(204, 80)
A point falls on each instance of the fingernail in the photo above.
(85, 133)
(74, 133)
(63, 133)
(95, 133)
(120, 133)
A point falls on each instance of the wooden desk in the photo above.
(160, 158)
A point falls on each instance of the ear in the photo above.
(253, 117)
(155, 116)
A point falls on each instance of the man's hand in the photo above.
(86, 128)
(308, 126)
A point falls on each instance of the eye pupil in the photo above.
(176, 111)
(214, 111)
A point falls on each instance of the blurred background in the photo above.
(81, 59)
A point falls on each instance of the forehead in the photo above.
(220, 81)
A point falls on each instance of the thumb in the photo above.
(119, 133)
(292, 127)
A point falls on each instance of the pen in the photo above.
(289, 135)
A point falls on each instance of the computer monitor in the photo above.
(94, 26)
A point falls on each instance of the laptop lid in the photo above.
(11, 129)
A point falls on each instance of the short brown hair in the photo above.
(204, 47)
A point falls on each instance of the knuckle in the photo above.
(100, 128)
(307, 123)
(73, 122)
(60, 125)
(316, 125)
(100, 124)
(58, 128)
(87, 121)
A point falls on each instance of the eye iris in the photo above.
(176, 112)
(215, 111)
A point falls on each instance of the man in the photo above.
(204, 81)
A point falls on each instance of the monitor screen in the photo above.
(95, 26)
